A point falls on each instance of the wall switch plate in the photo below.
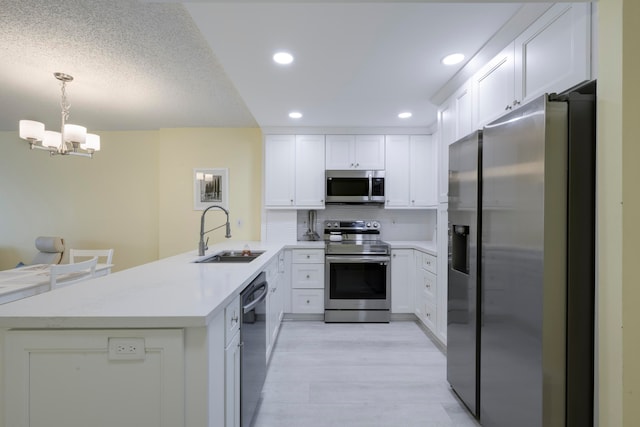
(126, 348)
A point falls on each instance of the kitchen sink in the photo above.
(231, 257)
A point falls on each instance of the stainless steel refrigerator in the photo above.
(522, 265)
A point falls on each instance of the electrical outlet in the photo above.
(126, 348)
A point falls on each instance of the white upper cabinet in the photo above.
(494, 87)
(309, 173)
(455, 119)
(552, 55)
(294, 171)
(364, 152)
(411, 171)
(396, 182)
(279, 176)
(423, 167)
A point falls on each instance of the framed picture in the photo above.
(210, 187)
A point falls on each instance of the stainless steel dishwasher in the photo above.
(253, 336)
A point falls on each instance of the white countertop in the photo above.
(428, 246)
(170, 293)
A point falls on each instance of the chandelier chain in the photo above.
(64, 103)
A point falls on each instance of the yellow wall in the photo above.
(182, 150)
(618, 213)
(135, 196)
(108, 202)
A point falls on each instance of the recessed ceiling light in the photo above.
(283, 58)
(453, 59)
(405, 115)
(295, 115)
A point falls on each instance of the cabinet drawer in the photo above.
(308, 276)
(314, 256)
(427, 283)
(307, 300)
(231, 320)
(429, 262)
(430, 315)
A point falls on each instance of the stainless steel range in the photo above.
(357, 272)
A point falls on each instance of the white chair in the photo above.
(50, 250)
(66, 274)
(90, 253)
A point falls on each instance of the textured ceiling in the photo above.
(153, 64)
(136, 66)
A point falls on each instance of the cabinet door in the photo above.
(446, 135)
(442, 240)
(232, 383)
(65, 378)
(396, 184)
(279, 170)
(465, 122)
(423, 167)
(340, 152)
(553, 54)
(402, 281)
(494, 87)
(309, 171)
(369, 152)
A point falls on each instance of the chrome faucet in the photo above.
(202, 246)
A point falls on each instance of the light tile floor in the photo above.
(358, 375)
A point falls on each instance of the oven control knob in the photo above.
(335, 224)
(368, 225)
(376, 225)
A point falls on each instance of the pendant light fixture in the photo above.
(71, 140)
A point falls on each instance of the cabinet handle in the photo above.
(308, 301)
(307, 276)
(308, 256)
(357, 164)
(394, 255)
(516, 102)
(352, 165)
(508, 107)
(234, 319)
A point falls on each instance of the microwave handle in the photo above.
(370, 186)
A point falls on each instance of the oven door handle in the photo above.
(357, 258)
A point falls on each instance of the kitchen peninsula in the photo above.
(72, 356)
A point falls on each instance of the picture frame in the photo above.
(210, 187)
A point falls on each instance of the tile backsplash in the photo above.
(396, 224)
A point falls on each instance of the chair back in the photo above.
(50, 250)
(66, 274)
(74, 254)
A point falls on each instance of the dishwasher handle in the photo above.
(263, 285)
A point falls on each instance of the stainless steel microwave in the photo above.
(354, 186)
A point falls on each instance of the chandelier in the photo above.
(71, 140)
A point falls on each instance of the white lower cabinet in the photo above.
(402, 279)
(275, 301)
(427, 305)
(307, 301)
(307, 281)
(232, 364)
(98, 378)
(232, 382)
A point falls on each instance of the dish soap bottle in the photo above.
(246, 251)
